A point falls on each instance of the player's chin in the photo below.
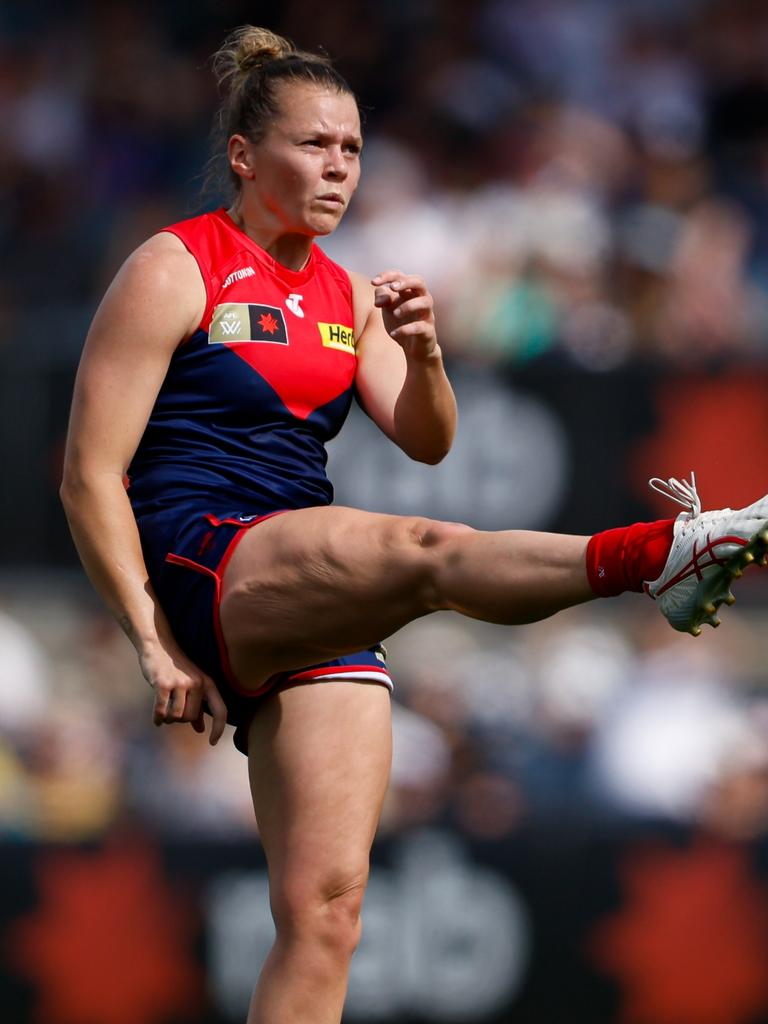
(323, 223)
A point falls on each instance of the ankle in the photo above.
(624, 559)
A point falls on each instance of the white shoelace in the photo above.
(679, 491)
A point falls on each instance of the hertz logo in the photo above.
(337, 336)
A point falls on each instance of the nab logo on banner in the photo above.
(243, 322)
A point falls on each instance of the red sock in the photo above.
(622, 559)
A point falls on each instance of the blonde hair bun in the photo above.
(249, 48)
(259, 46)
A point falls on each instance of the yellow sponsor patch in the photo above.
(337, 336)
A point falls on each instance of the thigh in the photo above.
(314, 584)
(319, 758)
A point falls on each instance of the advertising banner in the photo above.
(661, 926)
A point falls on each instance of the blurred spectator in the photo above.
(421, 771)
(26, 687)
(180, 785)
(574, 179)
(678, 740)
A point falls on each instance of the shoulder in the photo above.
(360, 285)
(162, 251)
(161, 274)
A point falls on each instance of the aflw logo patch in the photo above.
(245, 321)
(337, 336)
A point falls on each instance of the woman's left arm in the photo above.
(400, 378)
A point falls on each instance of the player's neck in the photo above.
(290, 250)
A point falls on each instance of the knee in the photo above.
(432, 545)
(325, 916)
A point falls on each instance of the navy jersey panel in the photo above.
(249, 401)
(220, 435)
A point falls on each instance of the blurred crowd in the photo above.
(578, 179)
(582, 183)
(601, 718)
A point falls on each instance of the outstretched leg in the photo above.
(319, 759)
(313, 584)
(310, 585)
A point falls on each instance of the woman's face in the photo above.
(304, 170)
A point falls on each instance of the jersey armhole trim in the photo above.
(205, 274)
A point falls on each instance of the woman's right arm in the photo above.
(156, 300)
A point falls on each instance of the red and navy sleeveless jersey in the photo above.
(248, 402)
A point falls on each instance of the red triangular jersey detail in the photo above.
(305, 373)
(302, 385)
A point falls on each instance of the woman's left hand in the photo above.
(407, 309)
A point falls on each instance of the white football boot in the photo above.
(709, 550)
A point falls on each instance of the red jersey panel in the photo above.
(249, 401)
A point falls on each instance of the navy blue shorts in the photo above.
(186, 557)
